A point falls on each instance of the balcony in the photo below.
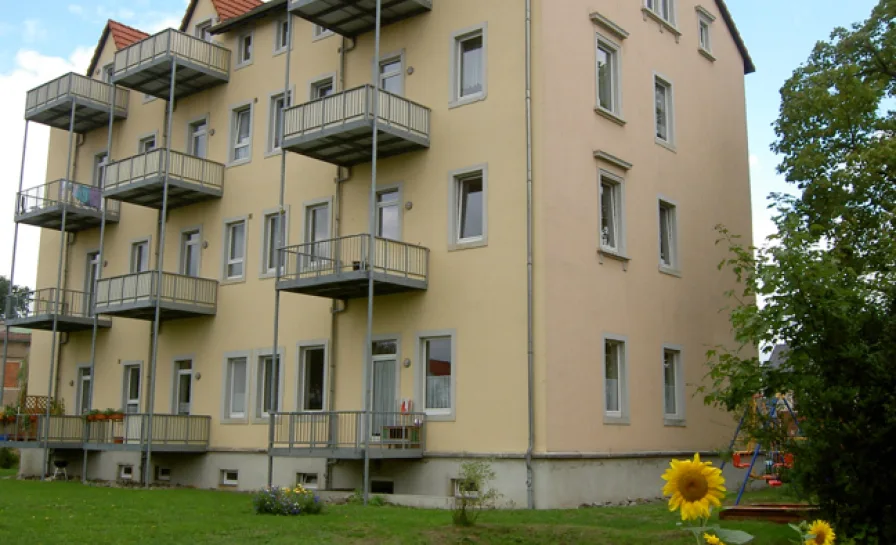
(140, 179)
(51, 103)
(135, 295)
(353, 17)
(73, 314)
(170, 433)
(340, 435)
(146, 65)
(337, 268)
(30, 431)
(42, 206)
(338, 128)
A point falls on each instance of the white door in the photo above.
(93, 274)
(385, 393)
(132, 389)
(183, 394)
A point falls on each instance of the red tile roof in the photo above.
(228, 9)
(124, 35)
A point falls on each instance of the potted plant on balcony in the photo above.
(56, 408)
(9, 414)
(116, 415)
(109, 414)
(92, 415)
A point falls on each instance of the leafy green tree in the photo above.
(19, 299)
(828, 282)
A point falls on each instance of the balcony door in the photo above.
(132, 388)
(384, 366)
(317, 236)
(91, 277)
(189, 253)
(183, 387)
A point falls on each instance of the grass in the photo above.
(36, 512)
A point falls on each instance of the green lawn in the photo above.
(35, 513)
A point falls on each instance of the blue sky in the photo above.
(42, 39)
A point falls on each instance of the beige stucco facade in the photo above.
(476, 295)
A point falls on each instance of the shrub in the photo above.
(474, 492)
(8, 458)
(287, 501)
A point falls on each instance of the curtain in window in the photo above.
(661, 125)
(438, 392)
(384, 395)
(471, 66)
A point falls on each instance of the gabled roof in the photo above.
(269, 7)
(749, 67)
(122, 36)
(226, 9)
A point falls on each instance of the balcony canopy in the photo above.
(353, 17)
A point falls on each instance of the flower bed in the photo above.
(287, 501)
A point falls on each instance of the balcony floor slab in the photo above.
(65, 324)
(149, 193)
(77, 218)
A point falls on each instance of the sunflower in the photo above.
(694, 486)
(822, 533)
(712, 540)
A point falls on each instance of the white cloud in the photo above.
(143, 18)
(30, 69)
(33, 31)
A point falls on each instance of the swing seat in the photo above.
(774, 483)
(741, 459)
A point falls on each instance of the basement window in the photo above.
(230, 477)
(125, 472)
(163, 473)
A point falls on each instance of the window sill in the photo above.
(603, 112)
(323, 36)
(273, 153)
(440, 417)
(616, 420)
(278, 52)
(478, 97)
(233, 421)
(674, 422)
(231, 281)
(664, 143)
(267, 275)
(671, 271)
(706, 53)
(664, 24)
(468, 245)
(243, 65)
(238, 163)
(613, 254)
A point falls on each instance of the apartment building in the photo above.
(543, 267)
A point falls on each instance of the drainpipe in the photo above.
(12, 272)
(371, 240)
(278, 260)
(530, 341)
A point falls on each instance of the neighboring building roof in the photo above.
(122, 36)
(226, 9)
(16, 335)
(257, 13)
(779, 356)
(749, 67)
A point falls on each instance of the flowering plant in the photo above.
(286, 501)
(695, 487)
(817, 533)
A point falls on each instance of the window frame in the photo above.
(264, 271)
(154, 136)
(618, 183)
(146, 241)
(678, 417)
(655, 7)
(270, 149)
(200, 28)
(301, 478)
(260, 414)
(227, 261)
(279, 47)
(182, 246)
(242, 62)
(396, 188)
(191, 133)
(435, 415)
(319, 82)
(227, 415)
(705, 18)
(456, 98)
(175, 383)
(673, 267)
(302, 347)
(455, 178)
(390, 59)
(615, 50)
(669, 141)
(309, 261)
(126, 400)
(620, 417)
(82, 406)
(226, 480)
(232, 143)
(319, 33)
(99, 166)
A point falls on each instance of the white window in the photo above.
(108, 70)
(203, 30)
(468, 224)
(100, 160)
(230, 477)
(271, 242)
(392, 75)
(614, 378)
(437, 353)
(125, 473)
(317, 233)
(268, 385)
(83, 402)
(673, 398)
(241, 129)
(321, 88)
(611, 214)
(664, 9)
(140, 256)
(469, 66)
(321, 32)
(190, 252)
(244, 51)
(197, 143)
(668, 236)
(183, 386)
(235, 250)
(131, 389)
(90, 279)
(308, 480)
(388, 214)
(237, 387)
(313, 374)
(663, 107)
(608, 76)
(146, 144)
(275, 123)
(163, 473)
(281, 40)
(704, 29)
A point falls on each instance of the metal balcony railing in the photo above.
(348, 254)
(73, 85)
(169, 432)
(78, 197)
(172, 43)
(72, 303)
(188, 169)
(342, 433)
(32, 429)
(146, 287)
